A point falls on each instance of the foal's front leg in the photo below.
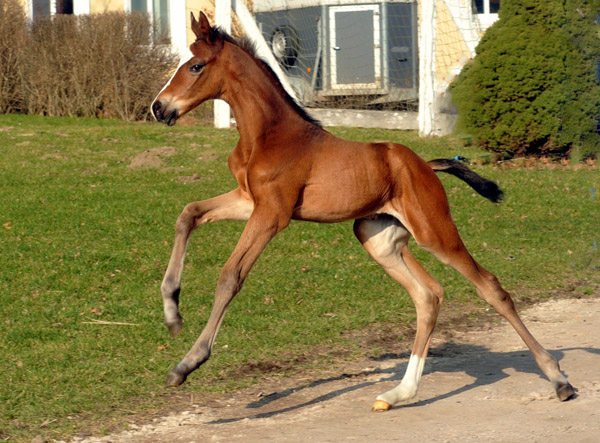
(235, 205)
(262, 226)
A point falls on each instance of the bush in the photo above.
(533, 86)
(100, 65)
(13, 33)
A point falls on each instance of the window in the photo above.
(64, 6)
(139, 5)
(486, 12)
(161, 20)
(159, 11)
(486, 6)
(37, 8)
(40, 7)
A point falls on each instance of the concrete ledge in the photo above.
(359, 118)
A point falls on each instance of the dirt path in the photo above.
(481, 386)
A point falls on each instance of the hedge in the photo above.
(101, 65)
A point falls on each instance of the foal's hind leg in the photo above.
(385, 238)
(450, 249)
(231, 206)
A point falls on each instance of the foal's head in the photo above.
(196, 80)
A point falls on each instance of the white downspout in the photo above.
(222, 112)
(427, 34)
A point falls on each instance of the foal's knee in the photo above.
(186, 221)
(183, 223)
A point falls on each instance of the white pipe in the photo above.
(262, 48)
(222, 111)
(427, 34)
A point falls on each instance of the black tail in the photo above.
(484, 187)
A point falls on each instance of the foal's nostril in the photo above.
(156, 107)
(167, 115)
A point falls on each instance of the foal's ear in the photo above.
(202, 28)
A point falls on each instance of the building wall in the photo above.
(451, 49)
(99, 6)
(457, 32)
(208, 7)
(194, 6)
(448, 34)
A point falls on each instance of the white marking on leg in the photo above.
(407, 388)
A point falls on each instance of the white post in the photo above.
(178, 25)
(427, 34)
(262, 47)
(222, 113)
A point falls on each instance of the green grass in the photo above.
(85, 238)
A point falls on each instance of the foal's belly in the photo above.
(336, 203)
(347, 180)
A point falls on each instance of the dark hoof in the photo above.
(565, 392)
(175, 379)
(175, 328)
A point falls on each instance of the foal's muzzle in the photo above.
(163, 114)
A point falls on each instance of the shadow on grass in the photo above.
(484, 366)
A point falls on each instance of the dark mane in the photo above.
(250, 47)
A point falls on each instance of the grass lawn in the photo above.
(85, 239)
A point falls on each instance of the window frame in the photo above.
(485, 18)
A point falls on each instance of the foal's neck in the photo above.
(257, 102)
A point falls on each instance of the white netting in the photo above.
(396, 55)
(345, 53)
(365, 54)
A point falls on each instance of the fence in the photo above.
(369, 55)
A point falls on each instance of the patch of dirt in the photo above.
(152, 158)
(539, 163)
(189, 178)
(482, 384)
(209, 156)
(53, 156)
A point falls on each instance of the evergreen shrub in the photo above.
(533, 87)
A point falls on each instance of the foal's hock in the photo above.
(288, 167)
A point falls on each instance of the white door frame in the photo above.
(376, 46)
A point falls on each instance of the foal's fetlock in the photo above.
(564, 391)
(175, 327)
(173, 318)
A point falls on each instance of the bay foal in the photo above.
(288, 167)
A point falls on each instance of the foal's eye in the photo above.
(196, 68)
